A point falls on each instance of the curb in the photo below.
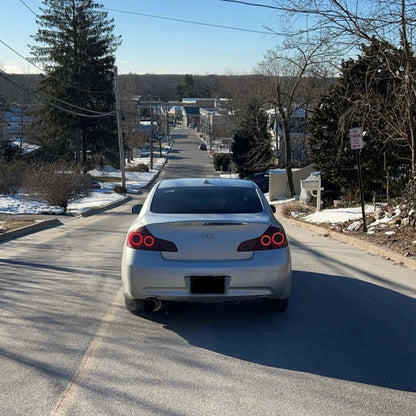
(43, 225)
(19, 232)
(105, 207)
(365, 245)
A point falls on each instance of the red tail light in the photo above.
(272, 239)
(142, 239)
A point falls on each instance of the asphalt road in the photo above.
(345, 346)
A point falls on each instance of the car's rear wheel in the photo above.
(135, 306)
(276, 305)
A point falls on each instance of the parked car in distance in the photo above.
(205, 240)
(202, 146)
(261, 179)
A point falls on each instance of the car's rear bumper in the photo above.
(146, 274)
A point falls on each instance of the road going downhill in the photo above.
(346, 345)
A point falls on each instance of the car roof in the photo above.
(223, 182)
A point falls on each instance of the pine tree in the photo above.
(251, 146)
(3, 108)
(368, 95)
(186, 89)
(76, 46)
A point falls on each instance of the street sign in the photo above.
(356, 138)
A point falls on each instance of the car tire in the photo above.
(135, 306)
(276, 305)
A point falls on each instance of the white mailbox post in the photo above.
(313, 184)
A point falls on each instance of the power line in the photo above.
(100, 113)
(247, 3)
(189, 21)
(44, 72)
(21, 1)
(43, 99)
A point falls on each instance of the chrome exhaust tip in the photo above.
(152, 304)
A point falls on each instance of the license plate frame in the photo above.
(207, 284)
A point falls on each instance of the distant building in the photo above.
(175, 114)
(298, 134)
(190, 116)
(15, 125)
(199, 102)
(216, 126)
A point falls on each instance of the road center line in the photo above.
(88, 360)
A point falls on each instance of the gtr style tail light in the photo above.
(273, 238)
(142, 239)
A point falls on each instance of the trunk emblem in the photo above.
(207, 236)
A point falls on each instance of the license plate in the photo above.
(207, 284)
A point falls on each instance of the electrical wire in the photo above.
(42, 70)
(73, 105)
(39, 97)
(57, 79)
(21, 1)
(189, 21)
(247, 3)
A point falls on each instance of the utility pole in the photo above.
(167, 124)
(159, 126)
(21, 125)
(119, 129)
(151, 133)
(210, 130)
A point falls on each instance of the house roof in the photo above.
(191, 110)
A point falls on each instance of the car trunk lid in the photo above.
(211, 239)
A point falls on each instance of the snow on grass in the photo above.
(23, 204)
(337, 215)
(135, 181)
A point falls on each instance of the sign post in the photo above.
(356, 142)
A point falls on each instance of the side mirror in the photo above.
(136, 209)
(273, 208)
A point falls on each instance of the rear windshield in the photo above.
(206, 200)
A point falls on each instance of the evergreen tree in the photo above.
(3, 108)
(367, 95)
(186, 89)
(251, 146)
(328, 145)
(76, 46)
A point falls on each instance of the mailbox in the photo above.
(312, 184)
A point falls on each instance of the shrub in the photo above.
(222, 161)
(141, 167)
(287, 208)
(57, 183)
(11, 176)
(119, 189)
(410, 191)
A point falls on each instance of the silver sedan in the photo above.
(205, 240)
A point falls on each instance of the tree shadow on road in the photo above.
(335, 327)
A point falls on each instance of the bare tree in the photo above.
(286, 76)
(382, 100)
(240, 90)
(133, 135)
(348, 24)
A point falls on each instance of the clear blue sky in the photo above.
(156, 45)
